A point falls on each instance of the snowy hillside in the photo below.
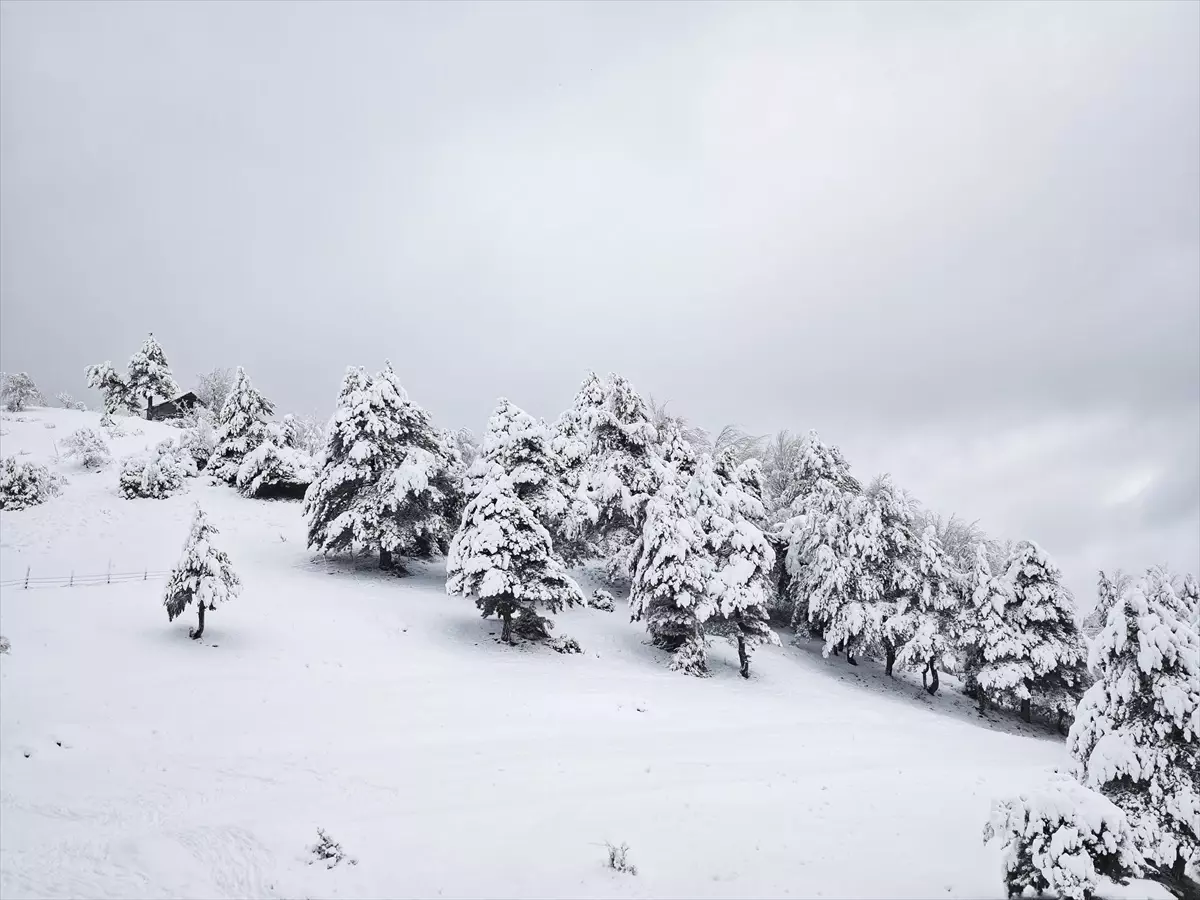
(138, 763)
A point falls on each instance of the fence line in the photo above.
(30, 582)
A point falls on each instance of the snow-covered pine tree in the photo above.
(204, 575)
(1136, 735)
(818, 520)
(1044, 611)
(1108, 592)
(670, 590)
(675, 449)
(104, 378)
(420, 497)
(149, 375)
(623, 474)
(922, 624)
(741, 555)
(387, 480)
(572, 432)
(242, 426)
(518, 446)
(980, 627)
(502, 556)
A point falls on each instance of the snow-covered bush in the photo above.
(5, 645)
(329, 851)
(618, 858)
(69, 402)
(18, 392)
(88, 448)
(199, 441)
(275, 470)
(1136, 736)
(156, 475)
(203, 575)
(1062, 839)
(24, 484)
(602, 600)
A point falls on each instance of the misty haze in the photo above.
(646, 449)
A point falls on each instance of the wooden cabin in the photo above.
(174, 409)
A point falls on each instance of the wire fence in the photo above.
(31, 582)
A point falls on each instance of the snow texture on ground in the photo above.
(135, 762)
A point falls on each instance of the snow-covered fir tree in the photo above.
(672, 575)
(518, 446)
(203, 576)
(387, 481)
(922, 623)
(742, 558)
(149, 375)
(623, 473)
(242, 426)
(571, 437)
(502, 556)
(1136, 735)
(816, 530)
(983, 633)
(674, 449)
(1043, 611)
(1108, 591)
(104, 378)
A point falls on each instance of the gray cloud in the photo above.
(963, 240)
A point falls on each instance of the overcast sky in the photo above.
(960, 240)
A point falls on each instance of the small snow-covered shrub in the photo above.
(49, 425)
(199, 442)
(618, 858)
(24, 484)
(271, 470)
(19, 392)
(602, 600)
(1063, 839)
(112, 427)
(87, 447)
(565, 644)
(156, 475)
(69, 402)
(329, 851)
(5, 646)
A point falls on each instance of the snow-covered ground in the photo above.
(135, 762)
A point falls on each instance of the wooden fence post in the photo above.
(71, 583)
(108, 578)
(27, 577)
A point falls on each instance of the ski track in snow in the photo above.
(380, 709)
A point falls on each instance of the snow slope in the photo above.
(135, 762)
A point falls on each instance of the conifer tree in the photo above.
(818, 523)
(742, 557)
(1136, 735)
(623, 471)
(670, 590)
(922, 625)
(1044, 613)
(980, 626)
(112, 387)
(204, 575)
(502, 556)
(387, 479)
(571, 439)
(242, 427)
(149, 375)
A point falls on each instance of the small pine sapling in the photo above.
(203, 575)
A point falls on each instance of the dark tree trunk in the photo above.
(199, 630)
(386, 560)
(934, 681)
(1175, 880)
(850, 657)
(982, 697)
(743, 657)
(506, 634)
(837, 649)
(890, 659)
(1062, 714)
(1026, 710)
